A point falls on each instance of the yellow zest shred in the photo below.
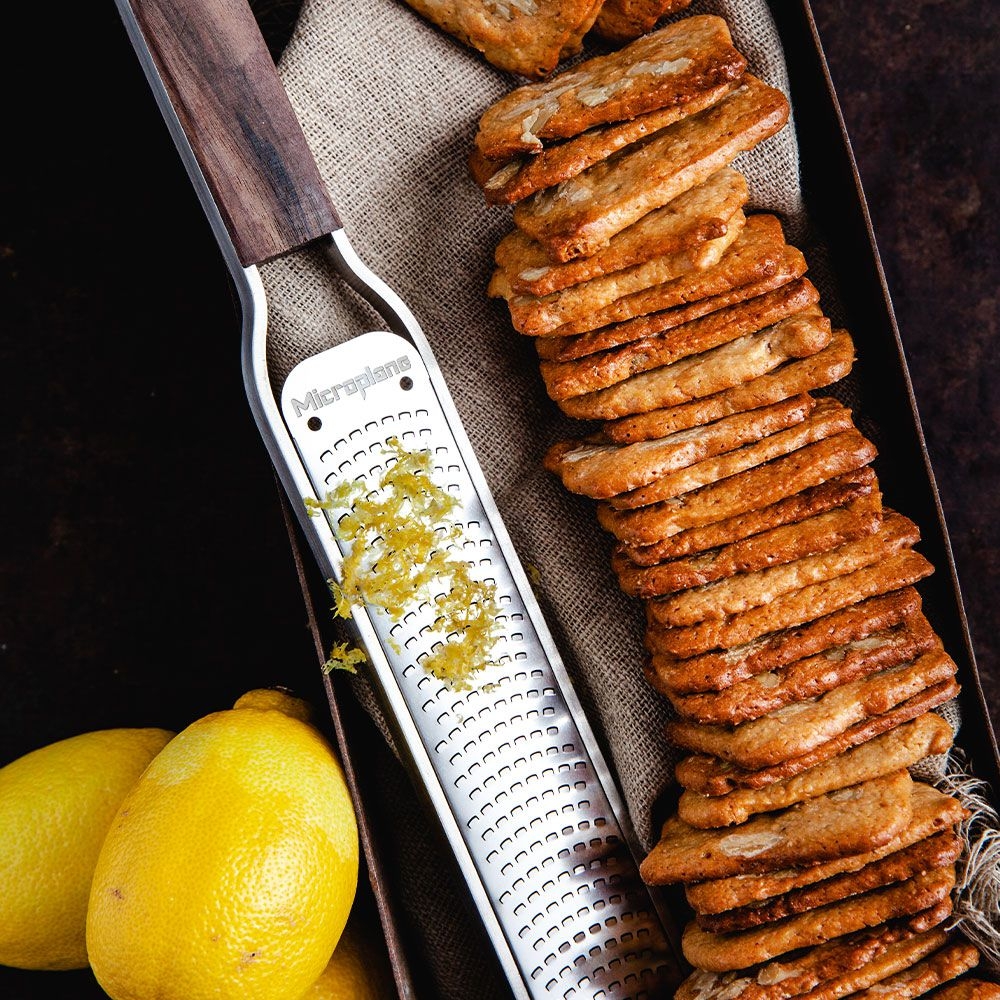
(344, 657)
(399, 534)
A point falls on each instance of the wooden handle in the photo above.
(225, 90)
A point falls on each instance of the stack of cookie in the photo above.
(782, 619)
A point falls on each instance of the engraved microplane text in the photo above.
(316, 398)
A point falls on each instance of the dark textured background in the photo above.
(919, 86)
(145, 570)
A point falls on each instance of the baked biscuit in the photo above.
(949, 963)
(713, 776)
(752, 273)
(826, 419)
(536, 316)
(935, 852)
(574, 40)
(698, 375)
(656, 272)
(762, 484)
(601, 471)
(806, 678)
(752, 250)
(903, 569)
(800, 727)
(789, 266)
(599, 301)
(622, 20)
(746, 591)
(901, 747)
(528, 39)
(932, 812)
(718, 670)
(775, 547)
(724, 952)
(666, 68)
(796, 300)
(826, 972)
(967, 989)
(829, 826)
(581, 215)
(682, 227)
(816, 500)
(505, 182)
(824, 368)
(743, 591)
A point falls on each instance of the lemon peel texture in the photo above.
(403, 541)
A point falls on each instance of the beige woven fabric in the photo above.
(390, 105)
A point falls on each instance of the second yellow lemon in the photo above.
(56, 804)
(231, 867)
(359, 968)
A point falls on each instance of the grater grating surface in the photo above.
(525, 791)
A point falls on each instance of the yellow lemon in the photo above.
(231, 867)
(56, 804)
(276, 698)
(359, 968)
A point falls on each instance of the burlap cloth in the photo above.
(390, 105)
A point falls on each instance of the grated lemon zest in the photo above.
(399, 533)
(344, 657)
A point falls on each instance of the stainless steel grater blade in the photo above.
(511, 768)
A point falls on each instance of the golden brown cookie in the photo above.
(826, 972)
(827, 418)
(626, 512)
(901, 747)
(806, 678)
(579, 216)
(622, 20)
(680, 228)
(588, 302)
(716, 671)
(829, 826)
(752, 250)
(903, 569)
(764, 484)
(534, 315)
(934, 852)
(800, 727)
(666, 68)
(790, 266)
(827, 366)
(524, 38)
(757, 262)
(949, 963)
(795, 301)
(574, 41)
(713, 776)
(968, 988)
(698, 375)
(809, 502)
(776, 547)
(933, 812)
(601, 471)
(505, 182)
(724, 952)
(736, 594)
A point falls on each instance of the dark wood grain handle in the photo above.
(225, 90)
